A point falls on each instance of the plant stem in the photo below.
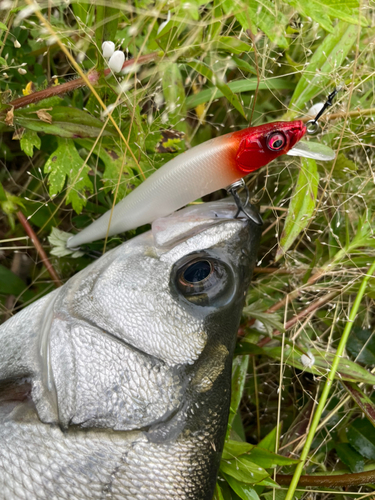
(302, 314)
(331, 481)
(93, 76)
(328, 384)
(38, 246)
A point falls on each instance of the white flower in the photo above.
(258, 325)
(108, 49)
(165, 22)
(116, 61)
(308, 359)
(17, 44)
(22, 71)
(6, 4)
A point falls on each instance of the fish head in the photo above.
(260, 145)
(156, 291)
(166, 296)
(130, 364)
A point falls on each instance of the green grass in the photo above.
(212, 69)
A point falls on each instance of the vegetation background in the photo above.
(197, 70)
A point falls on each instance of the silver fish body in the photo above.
(117, 385)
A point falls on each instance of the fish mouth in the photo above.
(191, 220)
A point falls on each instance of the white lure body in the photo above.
(200, 171)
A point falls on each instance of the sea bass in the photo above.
(117, 385)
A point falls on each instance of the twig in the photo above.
(331, 481)
(38, 246)
(93, 76)
(314, 306)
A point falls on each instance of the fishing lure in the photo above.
(206, 168)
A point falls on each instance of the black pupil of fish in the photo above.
(197, 272)
(277, 144)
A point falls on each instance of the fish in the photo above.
(208, 167)
(117, 385)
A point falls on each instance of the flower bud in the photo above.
(108, 49)
(22, 71)
(17, 44)
(116, 61)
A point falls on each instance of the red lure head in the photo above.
(260, 145)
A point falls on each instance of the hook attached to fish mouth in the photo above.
(313, 125)
(246, 208)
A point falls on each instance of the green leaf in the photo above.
(246, 346)
(28, 141)
(229, 44)
(243, 470)
(236, 87)
(81, 10)
(10, 283)
(308, 9)
(350, 457)
(239, 372)
(244, 65)
(3, 196)
(3, 27)
(223, 87)
(268, 459)
(235, 448)
(363, 401)
(262, 14)
(65, 163)
(347, 370)
(322, 11)
(361, 436)
(114, 163)
(66, 122)
(218, 495)
(301, 206)
(107, 19)
(281, 494)
(168, 37)
(361, 346)
(243, 490)
(321, 69)
(174, 95)
(270, 321)
(269, 442)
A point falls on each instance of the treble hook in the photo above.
(246, 208)
(314, 125)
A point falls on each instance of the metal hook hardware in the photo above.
(313, 125)
(233, 190)
(246, 208)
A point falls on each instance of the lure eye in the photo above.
(276, 141)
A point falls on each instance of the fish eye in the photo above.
(202, 279)
(276, 141)
(196, 272)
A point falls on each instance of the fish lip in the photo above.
(191, 220)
